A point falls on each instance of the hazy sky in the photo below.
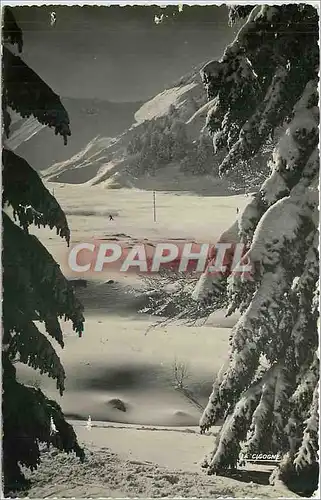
(119, 53)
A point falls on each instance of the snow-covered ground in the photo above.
(144, 440)
(139, 462)
(179, 215)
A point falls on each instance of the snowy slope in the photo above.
(101, 131)
(24, 131)
(89, 118)
(104, 161)
(160, 104)
(84, 165)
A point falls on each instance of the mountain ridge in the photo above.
(88, 118)
(161, 144)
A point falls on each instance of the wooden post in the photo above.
(154, 204)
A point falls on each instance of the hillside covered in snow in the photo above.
(161, 144)
(88, 119)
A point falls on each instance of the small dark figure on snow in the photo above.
(111, 217)
(237, 210)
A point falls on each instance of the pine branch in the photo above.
(169, 296)
(301, 399)
(277, 86)
(308, 451)
(261, 427)
(214, 410)
(34, 349)
(51, 294)
(20, 293)
(24, 430)
(32, 203)
(305, 329)
(26, 93)
(234, 429)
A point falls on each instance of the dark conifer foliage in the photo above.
(27, 94)
(35, 292)
(11, 32)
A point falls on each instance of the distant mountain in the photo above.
(108, 161)
(88, 119)
(160, 144)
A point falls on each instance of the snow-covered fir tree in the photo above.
(267, 391)
(181, 144)
(34, 289)
(204, 161)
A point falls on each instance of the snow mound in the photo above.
(160, 104)
(117, 404)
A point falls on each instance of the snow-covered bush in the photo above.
(170, 296)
